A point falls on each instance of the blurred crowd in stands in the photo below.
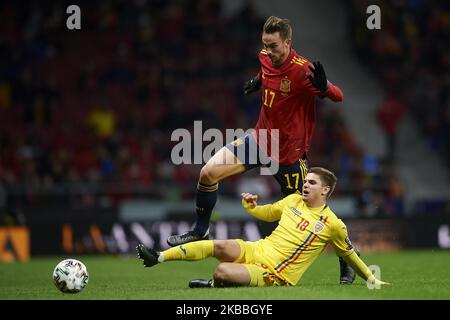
(411, 57)
(86, 116)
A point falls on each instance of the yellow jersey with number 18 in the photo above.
(300, 237)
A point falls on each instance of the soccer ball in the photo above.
(70, 276)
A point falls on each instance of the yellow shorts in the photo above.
(255, 258)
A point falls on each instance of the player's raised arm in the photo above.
(316, 83)
(268, 212)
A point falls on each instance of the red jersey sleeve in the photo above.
(334, 93)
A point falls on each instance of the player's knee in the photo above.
(222, 273)
(208, 175)
(220, 249)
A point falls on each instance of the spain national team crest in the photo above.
(285, 85)
(318, 227)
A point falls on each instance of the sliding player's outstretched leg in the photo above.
(148, 256)
(223, 164)
(191, 251)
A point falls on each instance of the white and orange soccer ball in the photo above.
(70, 276)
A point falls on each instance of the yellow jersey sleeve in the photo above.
(358, 265)
(269, 212)
(340, 240)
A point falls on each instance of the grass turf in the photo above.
(413, 274)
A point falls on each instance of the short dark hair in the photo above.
(274, 24)
(327, 177)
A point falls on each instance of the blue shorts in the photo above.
(289, 177)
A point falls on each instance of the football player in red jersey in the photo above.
(290, 87)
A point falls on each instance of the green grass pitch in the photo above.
(413, 274)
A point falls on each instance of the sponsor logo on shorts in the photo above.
(237, 142)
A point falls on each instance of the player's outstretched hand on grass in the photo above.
(252, 85)
(249, 201)
(320, 78)
(374, 281)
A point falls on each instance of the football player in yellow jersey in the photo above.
(306, 225)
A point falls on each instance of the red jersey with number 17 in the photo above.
(289, 105)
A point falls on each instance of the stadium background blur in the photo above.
(86, 118)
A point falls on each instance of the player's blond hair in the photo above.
(327, 177)
(274, 24)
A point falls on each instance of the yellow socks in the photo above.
(197, 250)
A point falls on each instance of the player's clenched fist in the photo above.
(249, 201)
